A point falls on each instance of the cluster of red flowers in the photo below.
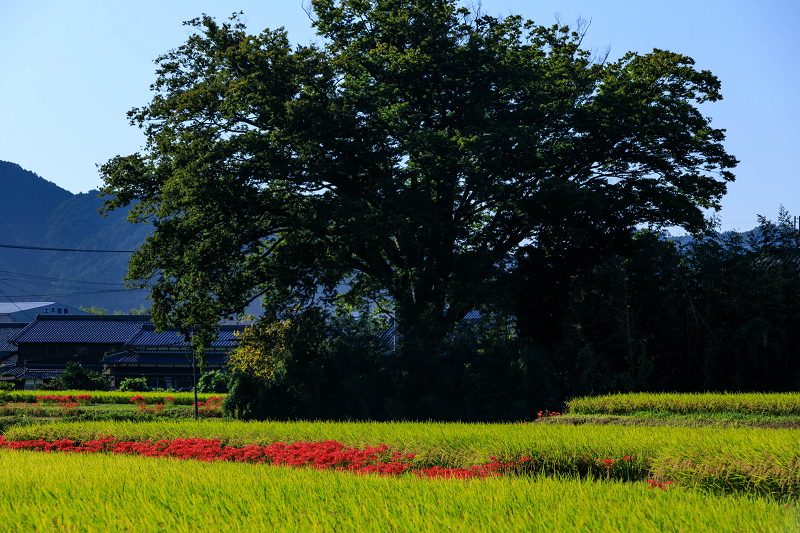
(212, 405)
(663, 485)
(64, 399)
(547, 414)
(607, 463)
(328, 455)
(141, 403)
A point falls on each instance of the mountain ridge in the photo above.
(39, 214)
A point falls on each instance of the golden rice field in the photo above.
(566, 478)
(765, 404)
(63, 492)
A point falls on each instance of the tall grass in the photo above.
(765, 404)
(750, 460)
(107, 397)
(60, 492)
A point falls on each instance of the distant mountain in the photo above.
(39, 214)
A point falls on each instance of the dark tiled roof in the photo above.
(89, 329)
(136, 372)
(36, 373)
(8, 330)
(148, 336)
(20, 371)
(161, 357)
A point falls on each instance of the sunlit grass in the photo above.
(63, 492)
(742, 460)
(107, 397)
(767, 404)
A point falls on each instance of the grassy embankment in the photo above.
(755, 410)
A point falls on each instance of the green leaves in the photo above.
(413, 154)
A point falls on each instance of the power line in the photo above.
(97, 224)
(65, 249)
(13, 302)
(53, 295)
(62, 280)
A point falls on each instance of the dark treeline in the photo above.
(719, 313)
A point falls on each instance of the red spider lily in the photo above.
(141, 402)
(319, 455)
(58, 399)
(547, 414)
(663, 485)
(211, 407)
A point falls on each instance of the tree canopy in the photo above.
(407, 158)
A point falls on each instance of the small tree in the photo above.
(134, 385)
(214, 382)
(77, 378)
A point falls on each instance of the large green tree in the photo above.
(408, 157)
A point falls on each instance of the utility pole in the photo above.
(194, 380)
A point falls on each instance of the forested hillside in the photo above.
(38, 214)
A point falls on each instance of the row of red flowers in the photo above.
(65, 399)
(328, 455)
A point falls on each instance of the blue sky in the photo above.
(71, 69)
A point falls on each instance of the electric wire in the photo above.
(54, 295)
(61, 280)
(48, 249)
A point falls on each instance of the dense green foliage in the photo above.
(214, 382)
(406, 162)
(75, 377)
(134, 385)
(333, 367)
(719, 313)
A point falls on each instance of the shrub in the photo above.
(134, 385)
(214, 382)
(76, 378)
(247, 398)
